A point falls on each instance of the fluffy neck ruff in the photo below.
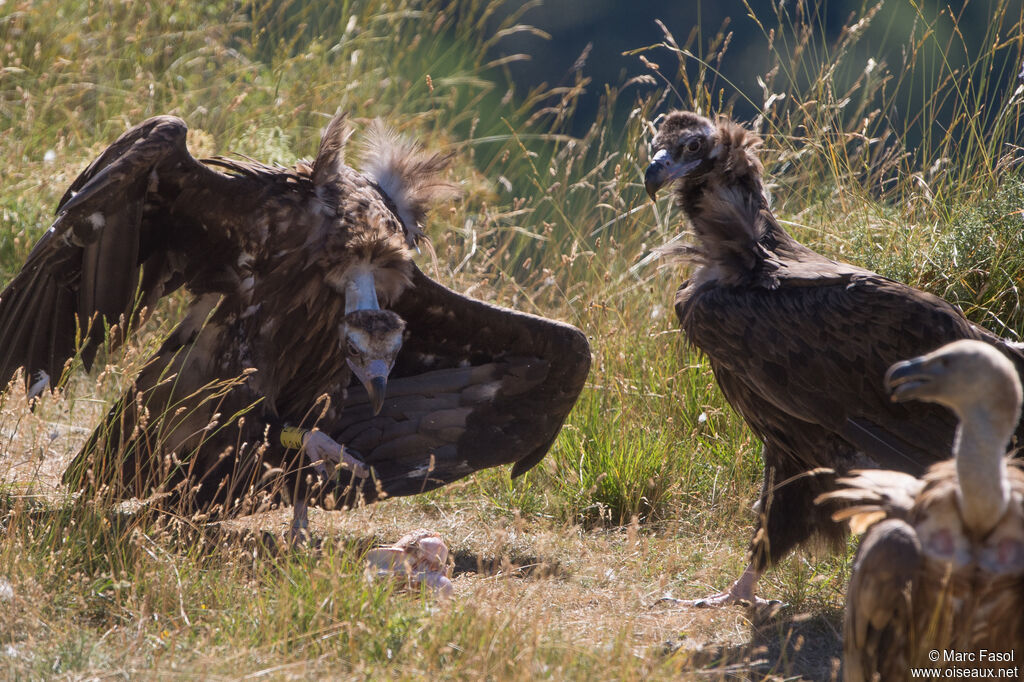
(409, 177)
(385, 263)
(727, 205)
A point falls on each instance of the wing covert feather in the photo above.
(820, 354)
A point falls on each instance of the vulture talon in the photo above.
(740, 594)
(330, 457)
(351, 462)
(728, 599)
(724, 599)
(40, 382)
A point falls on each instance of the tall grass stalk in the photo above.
(648, 488)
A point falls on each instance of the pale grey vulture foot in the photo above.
(329, 457)
(40, 382)
(742, 593)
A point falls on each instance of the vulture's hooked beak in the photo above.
(374, 378)
(904, 380)
(664, 169)
(377, 389)
(376, 383)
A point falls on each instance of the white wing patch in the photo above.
(97, 220)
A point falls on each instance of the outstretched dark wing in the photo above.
(819, 353)
(118, 218)
(475, 386)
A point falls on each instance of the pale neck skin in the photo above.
(361, 291)
(979, 449)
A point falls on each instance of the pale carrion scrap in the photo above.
(941, 565)
(798, 342)
(307, 311)
(417, 559)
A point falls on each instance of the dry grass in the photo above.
(648, 488)
(532, 597)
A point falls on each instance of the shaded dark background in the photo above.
(612, 27)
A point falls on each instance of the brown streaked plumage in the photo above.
(301, 279)
(798, 342)
(941, 566)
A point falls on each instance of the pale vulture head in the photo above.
(980, 385)
(964, 376)
(372, 337)
(372, 340)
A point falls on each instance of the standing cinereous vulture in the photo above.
(798, 343)
(941, 567)
(302, 281)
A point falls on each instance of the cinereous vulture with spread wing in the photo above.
(798, 342)
(302, 281)
(941, 567)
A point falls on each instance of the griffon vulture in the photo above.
(301, 279)
(797, 342)
(941, 567)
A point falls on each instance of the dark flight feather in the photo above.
(267, 254)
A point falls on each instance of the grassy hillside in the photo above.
(647, 489)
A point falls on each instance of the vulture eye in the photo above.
(353, 350)
(693, 145)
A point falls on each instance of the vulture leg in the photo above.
(787, 516)
(741, 592)
(326, 456)
(299, 531)
(41, 381)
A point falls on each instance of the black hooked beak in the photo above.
(377, 388)
(374, 378)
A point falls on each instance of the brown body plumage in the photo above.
(798, 342)
(289, 269)
(941, 566)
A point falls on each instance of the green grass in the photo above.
(648, 488)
